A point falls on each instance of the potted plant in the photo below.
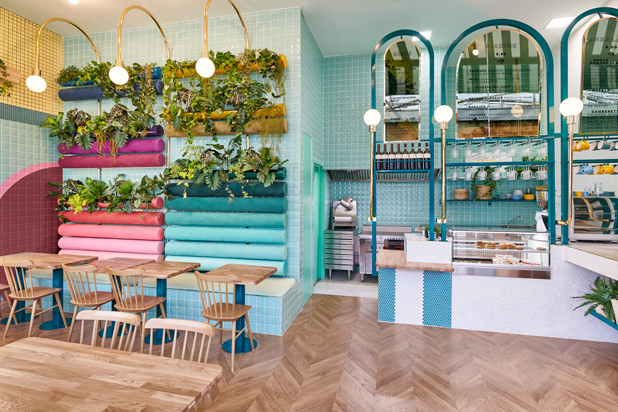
(487, 189)
(602, 298)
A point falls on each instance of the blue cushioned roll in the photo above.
(269, 220)
(277, 189)
(225, 234)
(93, 92)
(221, 204)
(156, 74)
(213, 263)
(226, 250)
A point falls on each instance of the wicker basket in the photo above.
(483, 192)
(460, 194)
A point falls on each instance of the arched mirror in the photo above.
(600, 78)
(499, 86)
(402, 68)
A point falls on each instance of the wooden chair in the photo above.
(5, 289)
(128, 288)
(19, 276)
(218, 295)
(126, 322)
(187, 326)
(83, 295)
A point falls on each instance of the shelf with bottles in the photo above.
(416, 160)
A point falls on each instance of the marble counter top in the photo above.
(601, 258)
(396, 259)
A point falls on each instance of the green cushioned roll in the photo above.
(221, 204)
(225, 234)
(226, 250)
(213, 263)
(277, 189)
(269, 220)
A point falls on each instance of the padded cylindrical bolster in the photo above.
(221, 204)
(279, 174)
(123, 160)
(94, 92)
(132, 146)
(277, 189)
(109, 255)
(113, 232)
(214, 263)
(116, 218)
(225, 234)
(148, 247)
(156, 74)
(156, 203)
(269, 220)
(226, 250)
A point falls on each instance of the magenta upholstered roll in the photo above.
(112, 232)
(116, 218)
(157, 203)
(109, 255)
(149, 247)
(122, 160)
(132, 146)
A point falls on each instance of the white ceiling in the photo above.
(340, 27)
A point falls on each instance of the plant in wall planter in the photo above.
(602, 299)
(487, 189)
(5, 84)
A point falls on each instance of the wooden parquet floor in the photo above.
(337, 357)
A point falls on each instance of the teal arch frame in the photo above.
(564, 93)
(429, 47)
(549, 64)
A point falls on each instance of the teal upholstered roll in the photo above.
(225, 234)
(213, 263)
(221, 204)
(277, 189)
(226, 250)
(268, 220)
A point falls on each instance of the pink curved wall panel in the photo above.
(149, 247)
(109, 255)
(116, 218)
(132, 146)
(112, 232)
(122, 160)
(157, 203)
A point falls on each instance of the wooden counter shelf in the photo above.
(396, 259)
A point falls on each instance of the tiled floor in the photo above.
(339, 285)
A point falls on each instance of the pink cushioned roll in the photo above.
(116, 218)
(126, 160)
(157, 203)
(149, 247)
(132, 146)
(112, 232)
(109, 255)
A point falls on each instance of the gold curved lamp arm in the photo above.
(571, 124)
(124, 13)
(205, 51)
(37, 72)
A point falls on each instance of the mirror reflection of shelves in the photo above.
(362, 175)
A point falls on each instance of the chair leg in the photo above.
(12, 315)
(220, 324)
(233, 343)
(164, 316)
(64, 320)
(34, 304)
(249, 329)
(143, 328)
(72, 324)
(8, 302)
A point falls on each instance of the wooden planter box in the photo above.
(13, 76)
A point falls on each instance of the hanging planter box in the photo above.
(277, 189)
(94, 92)
(280, 111)
(179, 73)
(223, 129)
(116, 218)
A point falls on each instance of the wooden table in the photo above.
(118, 263)
(48, 375)
(247, 275)
(53, 262)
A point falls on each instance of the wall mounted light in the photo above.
(118, 74)
(443, 115)
(570, 108)
(475, 50)
(36, 82)
(372, 118)
(204, 66)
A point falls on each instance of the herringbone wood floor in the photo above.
(337, 357)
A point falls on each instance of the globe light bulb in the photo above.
(475, 51)
(571, 107)
(205, 67)
(443, 114)
(36, 83)
(372, 117)
(119, 75)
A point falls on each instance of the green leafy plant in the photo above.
(5, 85)
(603, 291)
(487, 182)
(68, 74)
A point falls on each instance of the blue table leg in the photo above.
(161, 292)
(56, 322)
(243, 343)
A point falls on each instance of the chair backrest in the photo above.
(79, 279)
(218, 294)
(187, 326)
(128, 287)
(125, 323)
(19, 276)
